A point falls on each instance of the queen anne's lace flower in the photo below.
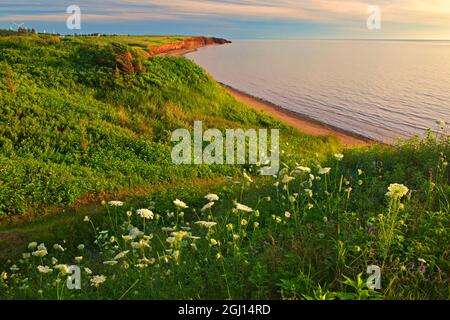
(96, 281)
(44, 269)
(212, 197)
(115, 203)
(145, 214)
(397, 191)
(244, 208)
(180, 204)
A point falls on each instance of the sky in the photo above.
(233, 19)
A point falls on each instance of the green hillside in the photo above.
(89, 119)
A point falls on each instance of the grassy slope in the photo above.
(76, 127)
(72, 124)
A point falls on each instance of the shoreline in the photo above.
(302, 123)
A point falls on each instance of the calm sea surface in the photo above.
(379, 89)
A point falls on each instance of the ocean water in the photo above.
(383, 90)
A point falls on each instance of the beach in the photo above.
(303, 124)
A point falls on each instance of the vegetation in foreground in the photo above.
(77, 126)
(310, 233)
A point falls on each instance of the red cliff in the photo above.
(192, 43)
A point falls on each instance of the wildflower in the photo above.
(360, 172)
(63, 268)
(219, 256)
(170, 240)
(121, 255)
(206, 224)
(360, 182)
(323, 171)
(309, 193)
(278, 220)
(309, 206)
(422, 260)
(145, 214)
(230, 227)
(235, 237)
(256, 225)
(80, 247)
(58, 247)
(96, 281)
(257, 213)
(129, 213)
(304, 169)
(26, 255)
(4, 275)
(127, 238)
(40, 253)
(143, 244)
(115, 203)
(247, 177)
(79, 259)
(243, 208)
(180, 235)
(339, 156)
(180, 204)
(86, 219)
(207, 206)
(88, 271)
(287, 179)
(212, 197)
(287, 214)
(397, 191)
(213, 242)
(44, 269)
(32, 245)
(110, 263)
(244, 222)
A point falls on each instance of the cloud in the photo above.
(345, 13)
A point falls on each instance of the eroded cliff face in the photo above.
(193, 43)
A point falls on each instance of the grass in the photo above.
(82, 127)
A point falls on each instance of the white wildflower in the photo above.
(206, 224)
(96, 281)
(180, 204)
(121, 255)
(323, 171)
(397, 191)
(44, 269)
(244, 208)
(212, 197)
(115, 203)
(207, 206)
(145, 214)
